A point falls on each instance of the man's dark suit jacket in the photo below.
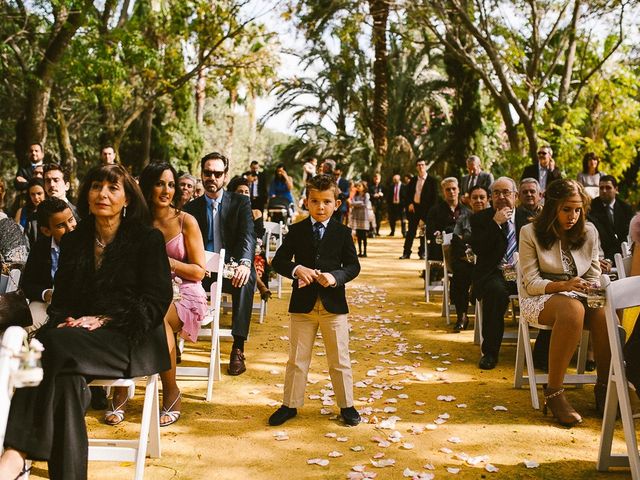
(611, 236)
(260, 201)
(533, 171)
(24, 172)
(441, 219)
(335, 254)
(484, 180)
(489, 243)
(402, 194)
(36, 276)
(238, 237)
(428, 196)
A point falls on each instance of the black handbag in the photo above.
(14, 310)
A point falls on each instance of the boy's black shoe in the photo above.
(350, 416)
(281, 415)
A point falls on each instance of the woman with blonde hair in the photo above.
(559, 262)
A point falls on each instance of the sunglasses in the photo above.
(212, 173)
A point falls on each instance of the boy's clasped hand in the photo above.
(306, 276)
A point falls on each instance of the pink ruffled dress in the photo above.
(192, 307)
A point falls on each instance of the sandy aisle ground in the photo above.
(408, 357)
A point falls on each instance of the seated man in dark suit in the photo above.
(494, 239)
(226, 221)
(544, 170)
(611, 216)
(442, 217)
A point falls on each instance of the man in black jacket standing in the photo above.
(225, 221)
(494, 239)
(544, 171)
(421, 195)
(611, 216)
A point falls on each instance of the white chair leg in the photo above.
(154, 426)
(531, 371)
(518, 379)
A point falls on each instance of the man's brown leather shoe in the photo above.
(236, 362)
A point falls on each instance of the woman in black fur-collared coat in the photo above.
(111, 292)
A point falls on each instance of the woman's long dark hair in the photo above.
(137, 211)
(585, 162)
(33, 181)
(545, 224)
(150, 176)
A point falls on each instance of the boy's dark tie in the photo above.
(318, 231)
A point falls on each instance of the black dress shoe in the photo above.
(404, 257)
(421, 256)
(350, 416)
(281, 415)
(488, 362)
(590, 366)
(462, 323)
(236, 362)
(98, 398)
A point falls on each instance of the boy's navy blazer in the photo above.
(335, 254)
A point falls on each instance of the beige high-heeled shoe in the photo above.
(560, 407)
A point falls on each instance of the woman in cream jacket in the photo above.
(559, 260)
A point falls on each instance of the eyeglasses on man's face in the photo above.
(213, 173)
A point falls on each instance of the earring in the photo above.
(124, 211)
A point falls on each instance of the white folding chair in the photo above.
(446, 278)
(273, 235)
(625, 248)
(623, 265)
(436, 287)
(620, 294)
(524, 354)
(9, 283)
(12, 341)
(148, 442)
(210, 327)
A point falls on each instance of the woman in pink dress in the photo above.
(187, 261)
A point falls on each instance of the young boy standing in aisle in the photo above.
(319, 255)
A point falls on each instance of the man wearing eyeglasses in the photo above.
(544, 171)
(494, 239)
(226, 221)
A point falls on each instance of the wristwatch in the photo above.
(245, 263)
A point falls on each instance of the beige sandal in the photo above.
(174, 415)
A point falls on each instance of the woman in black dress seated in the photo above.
(112, 290)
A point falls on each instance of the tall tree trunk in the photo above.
(147, 127)
(253, 124)
(32, 127)
(67, 157)
(201, 97)
(379, 10)
(231, 123)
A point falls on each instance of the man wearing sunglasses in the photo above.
(544, 171)
(226, 221)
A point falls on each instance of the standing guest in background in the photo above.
(475, 177)
(376, 191)
(344, 186)
(422, 194)
(56, 184)
(35, 156)
(184, 246)
(282, 184)
(442, 217)
(544, 170)
(258, 187)
(318, 254)
(395, 205)
(494, 239)
(113, 288)
(530, 197)
(225, 221)
(187, 188)
(199, 190)
(26, 215)
(559, 261)
(462, 260)
(359, 206)
(108, 155)
(309, 170)
(611, 216)
(590, 175)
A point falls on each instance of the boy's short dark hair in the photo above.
(323, 182)
(49, 207)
